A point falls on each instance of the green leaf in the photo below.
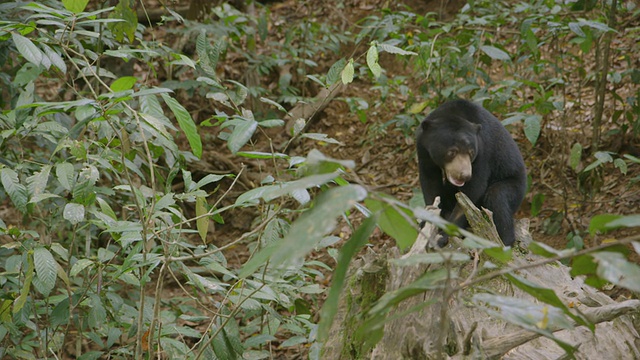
(620, 164)
(18, 304)
(335, 71)
(66, 175)
(262, 155)
(271, 102)
(27, 49)
(123, 83)
(97, 314)
(79, 266)
(614, 268)
(186, 124)
(499, 253)
(430, 280)
(546, 250)
(393, 223)
(372, 60)
(55, 58)
(308, 230)
(46, 269)
(270, 192)
(202, 224)
(394, 50)
(17, 192)
(75, 6)
(575, 156)
(536, 204)
(74, 213)
(350, 248)
(599, 223)
(37, 182)
(495, 53)
(270, 123)
(530, 316)
(547, 296)
(624, 221)
(241, 134)
(575, 27)
(123, 11)
(532, 126)
(347, 73)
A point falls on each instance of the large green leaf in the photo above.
(347, 72)
(37, 182)
(537, 318)
(372, 60)
(27, 49)
(547, 296)
(330, 307)
(241, 134)
(186, 124)
(17, 192)
(309, 229)
(46, 269)
(75, 6)
(495, 53)
(614, 268)
(395, 222)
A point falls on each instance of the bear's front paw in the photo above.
(443, 239)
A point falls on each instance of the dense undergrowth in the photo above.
(112, 250)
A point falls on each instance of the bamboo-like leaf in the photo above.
(186, 124)
(17, 192)
(46, 269)
(330, 307)
(394, 50)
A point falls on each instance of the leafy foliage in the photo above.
(113, 209)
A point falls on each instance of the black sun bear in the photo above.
(463, 147)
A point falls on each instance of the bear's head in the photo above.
(452, 143)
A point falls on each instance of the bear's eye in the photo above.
(452, 153)
(471, 153)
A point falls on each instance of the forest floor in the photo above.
(385, 156)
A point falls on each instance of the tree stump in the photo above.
(450, 326)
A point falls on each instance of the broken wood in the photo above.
(453, 327)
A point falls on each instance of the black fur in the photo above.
(498, 179)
